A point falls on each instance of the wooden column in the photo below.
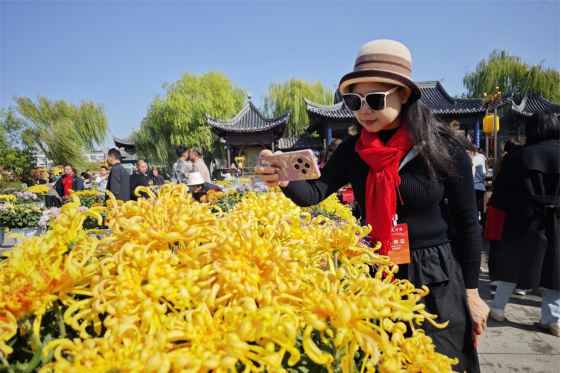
(518, 133)
(272, 146)
(495, 137)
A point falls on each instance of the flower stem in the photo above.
(60, 320)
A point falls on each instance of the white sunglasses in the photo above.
(375, 100)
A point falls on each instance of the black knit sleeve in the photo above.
(334, 175)
(462, 204)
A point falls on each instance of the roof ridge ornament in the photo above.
(248, 96)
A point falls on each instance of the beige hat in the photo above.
(195, 178)
(382, 61)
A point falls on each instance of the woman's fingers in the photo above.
(269, 177)
(265, 170)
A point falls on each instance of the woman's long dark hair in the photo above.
(434, 140)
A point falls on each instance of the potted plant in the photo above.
(21, 219)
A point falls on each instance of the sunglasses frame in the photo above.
(363, 99)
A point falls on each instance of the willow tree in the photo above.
(290, 95)
(178, 117)
(510, 72)
(62, 130)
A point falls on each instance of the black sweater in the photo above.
(431, 221)
(137, 180)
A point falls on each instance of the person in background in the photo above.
(494, 223)
(196, 157)
(198, 187)
(495, 219)
(87, 178)
(480, 164)
(69, 182)
(402, 147)
(510, 145)
(182, 167)
(329, 151)
(527, 189)
(139, 178)
(101, 179)
(119, 178)
(155, 178)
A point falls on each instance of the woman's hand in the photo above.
(269, 174)
(479, 310)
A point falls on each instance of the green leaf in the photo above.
(34, 360)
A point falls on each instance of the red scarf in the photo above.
(383, 180)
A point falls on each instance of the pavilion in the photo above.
(249, 132)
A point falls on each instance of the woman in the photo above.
(198, 187)
(527, 189)
(329, 151)
(87, 178)
(396, 128)
(155, 178)
(495, 220)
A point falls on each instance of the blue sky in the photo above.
(120, 53)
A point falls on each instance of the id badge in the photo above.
(399, 239)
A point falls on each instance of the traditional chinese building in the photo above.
(126, 147)
(249, 132)
(289, 144)
(463, 114)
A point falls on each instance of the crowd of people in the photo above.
(189, 169)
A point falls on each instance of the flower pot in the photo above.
(1, 235)
(26, 233)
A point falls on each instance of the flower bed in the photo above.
(19, 216)
(182, 287)
(89, 198)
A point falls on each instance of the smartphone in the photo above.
(293, 166)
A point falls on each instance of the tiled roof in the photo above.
(127, 156)
(532, 104)
(249, 119)
(339, 110)
(440, 102)
(298, 143)
(127, 141)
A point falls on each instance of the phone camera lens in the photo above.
(304, 171)
(307, 165)
(300, 160)
(296, 166)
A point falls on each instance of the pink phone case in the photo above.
(293, 166)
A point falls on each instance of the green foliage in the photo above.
(510, 72)
(179, 116)
(23, 216)
(63, 131)
(290, 95)
(15, 155)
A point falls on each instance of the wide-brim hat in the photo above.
(195, 178)
(382, 61)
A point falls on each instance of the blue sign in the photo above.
(328, 136)
(477, 134)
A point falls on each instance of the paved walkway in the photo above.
(516, 345)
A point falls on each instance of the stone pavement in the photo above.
(518, 344)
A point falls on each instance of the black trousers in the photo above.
(52, 201)
(438, 268)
